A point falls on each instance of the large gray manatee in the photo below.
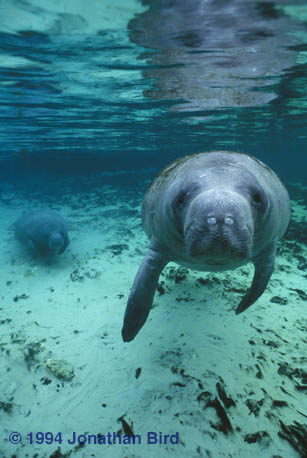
(209, 212)
(43, 231)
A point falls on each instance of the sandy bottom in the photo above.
(212, 383)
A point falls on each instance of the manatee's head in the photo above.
(218, 222)
(56, 243)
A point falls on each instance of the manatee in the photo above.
(209, 212)
(43, 231)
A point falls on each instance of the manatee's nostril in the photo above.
(211, 220)
(228, 220)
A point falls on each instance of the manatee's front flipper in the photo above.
(264, 266)
(142, 293)
(66, 242)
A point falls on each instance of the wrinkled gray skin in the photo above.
(42, 231)
(209, 212)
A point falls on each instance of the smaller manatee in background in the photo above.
(43, 231)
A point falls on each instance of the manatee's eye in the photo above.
(179, 201)
(258, 199)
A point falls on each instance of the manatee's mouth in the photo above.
(219, 247)
(217, 252)
(216, 262)
(218, 228)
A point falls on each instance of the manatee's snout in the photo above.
(219, 227)
(56, 242)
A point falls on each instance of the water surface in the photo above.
(132, 86)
